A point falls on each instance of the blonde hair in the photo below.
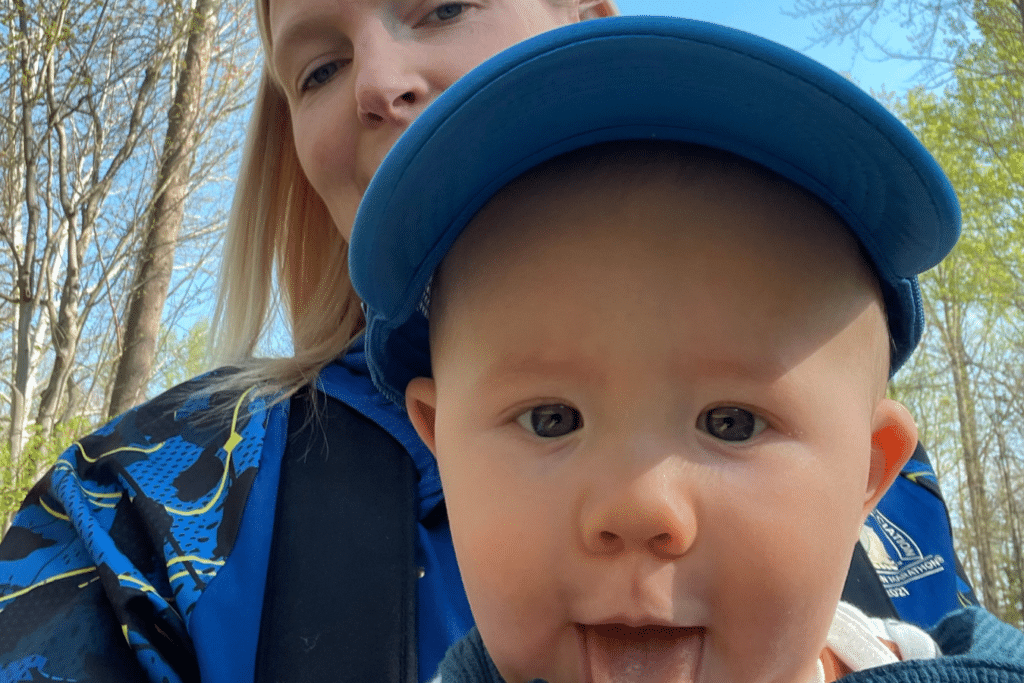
(279, 231)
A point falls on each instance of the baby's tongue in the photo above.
(652, 654)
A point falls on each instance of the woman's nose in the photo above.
(649, 513)
(389, 88)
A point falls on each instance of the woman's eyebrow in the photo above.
(294, 33)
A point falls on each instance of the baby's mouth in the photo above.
(616, 653)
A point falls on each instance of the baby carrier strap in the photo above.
(864, 588)
(340, 598)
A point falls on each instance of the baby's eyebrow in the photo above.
(765, 368)
(527, 366)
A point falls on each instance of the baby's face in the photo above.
(653, 414)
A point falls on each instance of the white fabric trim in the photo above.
(912, 641)
(855, 639)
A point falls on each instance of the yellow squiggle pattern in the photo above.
(178, 575)
(229, 446)
(53, 512)
(914, 476)
(143, 586)
(193, 558)
(97, 496)
(123, 449)
(47, 580)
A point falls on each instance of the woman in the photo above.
(207, 535)
(329, 107)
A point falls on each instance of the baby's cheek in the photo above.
(501, 590)
(499, 546)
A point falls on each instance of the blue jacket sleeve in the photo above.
(111, 550)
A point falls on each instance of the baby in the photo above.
(665, 292)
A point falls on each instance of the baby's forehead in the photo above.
(699, 248)
(693, 191)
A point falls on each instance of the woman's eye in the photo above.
(447, 11)
(729, 423)
(551, 421)
(320, 75)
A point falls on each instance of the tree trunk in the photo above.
(66, 329)
(156, 261)
(26, 295)
(1015, 571)
(966, 412)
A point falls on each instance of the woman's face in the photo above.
(357, 72)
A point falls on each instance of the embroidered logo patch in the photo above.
(896, 556)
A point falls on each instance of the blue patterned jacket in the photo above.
(142, 554)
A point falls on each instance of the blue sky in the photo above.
(766, 18)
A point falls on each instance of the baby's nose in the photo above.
(649, 513)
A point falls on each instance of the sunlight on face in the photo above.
(357, 73)
(654, 422)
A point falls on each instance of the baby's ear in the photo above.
(893, 440)
(595, 9)
(421, 404)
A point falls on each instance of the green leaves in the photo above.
(965, 384)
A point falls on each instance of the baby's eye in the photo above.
(729, 423)
(551, 421)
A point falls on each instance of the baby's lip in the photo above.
(652, 653)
